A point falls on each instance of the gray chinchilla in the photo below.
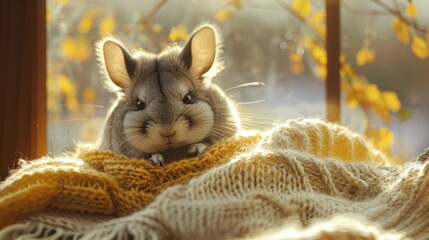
(167, 107)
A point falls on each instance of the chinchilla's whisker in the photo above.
(251, 102)
(245, 85)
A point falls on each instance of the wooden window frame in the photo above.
(333, 49)
(23, 81)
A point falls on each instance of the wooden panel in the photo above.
(23, 81)
(333, 107)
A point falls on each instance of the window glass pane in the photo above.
(383, 51)
(279, 43)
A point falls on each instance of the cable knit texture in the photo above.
(305, 179)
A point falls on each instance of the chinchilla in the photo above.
(167, 106)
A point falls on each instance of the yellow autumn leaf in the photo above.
(235, 3)
(66, 85)
(345, 85)
(107, 25)
(391, 101)
(223, 14)
(412, 10)
(69, 47)
(343, 58)
(351, 99)
(321, 71)
(380, 102)
(420, 47)
(401, 30)
(72, 104)
(318, 18)
(381, 112)
(89, 95)
(364, 56)
(86, 23)
(61, 1)
(319, 54)
(76, 49)
(372, 94)
(179, 32)
(296, 66)
(49, 16)
(381, 138)
(302, 7)
(404, 115)
(321, 29)
(68, 88)
(358, 85)
(358, 88)
(295, 57)
(88, 98)
(317, 21)
(347, 69)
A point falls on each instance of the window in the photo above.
(279, 43)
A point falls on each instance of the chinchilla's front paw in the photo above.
(157, 159)
(196, 149)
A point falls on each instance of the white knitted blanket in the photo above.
(278, 190)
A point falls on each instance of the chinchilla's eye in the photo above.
(187, 99)
(140, 105)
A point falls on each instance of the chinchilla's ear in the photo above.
(201, 52)
(116, 61)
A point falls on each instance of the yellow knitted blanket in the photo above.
(305, 179)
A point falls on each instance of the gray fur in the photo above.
(167, 129)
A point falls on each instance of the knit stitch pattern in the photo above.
(101, 182)
(304, 171)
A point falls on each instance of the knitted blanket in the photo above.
(305, 179)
